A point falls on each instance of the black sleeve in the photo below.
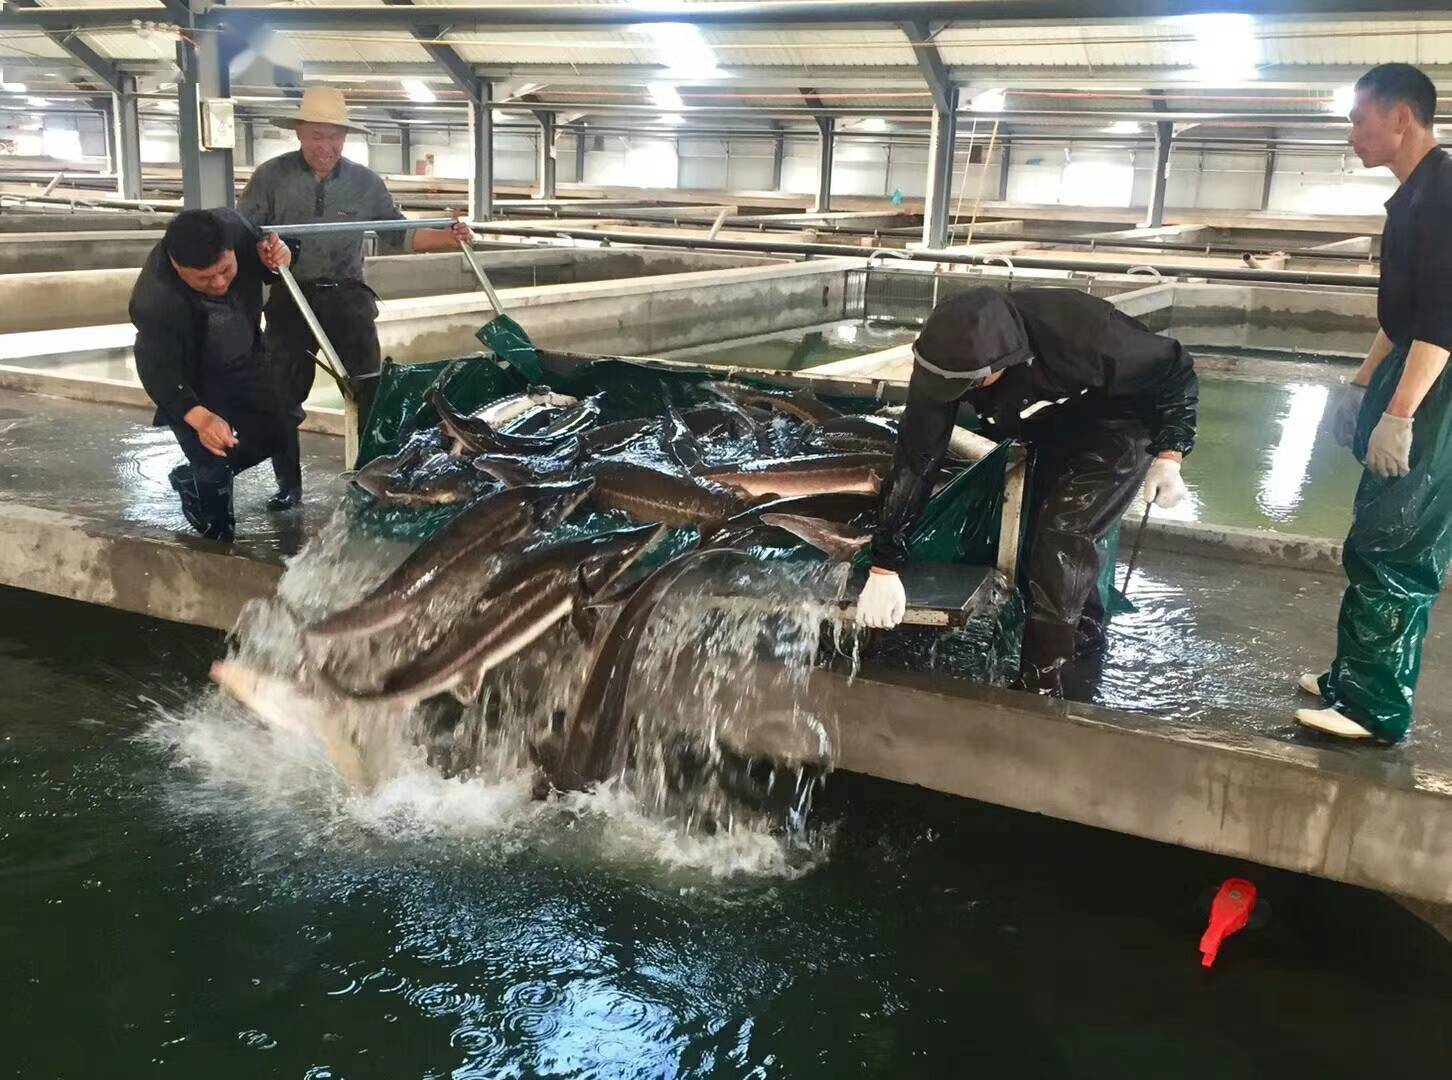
(1146, 365)
(1432, 311)
(160, 353)
(245, 238)
(922, 441)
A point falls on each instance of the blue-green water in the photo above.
(182, 896)
(1265, 459)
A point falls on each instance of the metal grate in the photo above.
(906, 296)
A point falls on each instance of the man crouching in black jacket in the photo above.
(197, 308)
(1106, 405)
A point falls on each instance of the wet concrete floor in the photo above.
(107, 463)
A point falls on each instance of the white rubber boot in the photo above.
(1332, 723)
(1310, 682)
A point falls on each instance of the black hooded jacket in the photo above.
(171, 322)
(1091, 362)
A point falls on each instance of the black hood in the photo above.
(967, 337)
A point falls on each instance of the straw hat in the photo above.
(321, 105)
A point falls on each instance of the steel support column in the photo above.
(1270, 175)
(546, 171)
(1155, 212)
(1005, 151)
(826, 142)
(481, 128)
(940, 170)
(778, 155)
(207, 179)
(126, 137)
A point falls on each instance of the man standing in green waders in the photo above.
(1396, 416)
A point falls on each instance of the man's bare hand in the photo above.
(462, 233)
(273, 252)
(212, 431)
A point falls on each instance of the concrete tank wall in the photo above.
(1305, 320)
(45, 301)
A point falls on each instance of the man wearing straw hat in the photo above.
(316, 183)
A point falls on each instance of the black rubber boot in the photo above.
(284, 501)
(207, 507)
(1047, 647)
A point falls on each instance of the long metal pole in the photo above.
(484, 282)
(317, 228)
(332, 363)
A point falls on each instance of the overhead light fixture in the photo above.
(872, 123)
(1342, 99)
(989, 101)
(38, 101)
(419, 91)
(1124, 127)
(1225, 47)
(11, 87)
(673, 119)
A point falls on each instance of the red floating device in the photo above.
(1229, 913)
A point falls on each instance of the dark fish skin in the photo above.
(611, 437)
(677, 441)
(801, 404)
(713, 418)
(478, 531)
(844, 507)
(574, 420)
(517, 609)
(840, 543)
(810, 475)
(596, 741)
(654, 496)
(375, 476)
(477, 437)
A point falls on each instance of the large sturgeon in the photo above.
(596, 741)
(477, 532)
(808, 475)
(651, 495)
(516, 610)
(477, 437)
(800, 404)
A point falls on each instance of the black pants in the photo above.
(247, 400)
(1084, 479)
(348, 312)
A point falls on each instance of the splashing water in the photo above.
(725, 755)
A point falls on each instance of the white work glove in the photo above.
(882, 603)
(1389, 453)
(1162, 484)
(1345, 412)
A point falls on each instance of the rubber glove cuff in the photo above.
(1163, 485)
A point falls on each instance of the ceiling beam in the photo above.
(88, 58)
(776, 13)
(459, 70)
(930, 63)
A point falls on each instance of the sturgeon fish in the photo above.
(478, 531)
(596, 741)
(477, 437)
(285, 706)
(651, 495)
(375, 476)
(808, 475)
(838, 542)
(510, 408)
(516, 610)
(677, 441)
(717, 416)
(801, 404)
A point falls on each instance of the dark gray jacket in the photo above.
(171, 323)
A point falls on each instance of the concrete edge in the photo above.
(146, 571)
(323, 421)
(1290, 550)
(1282, 804)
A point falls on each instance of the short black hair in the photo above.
(196, 239)
(1398, 84)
